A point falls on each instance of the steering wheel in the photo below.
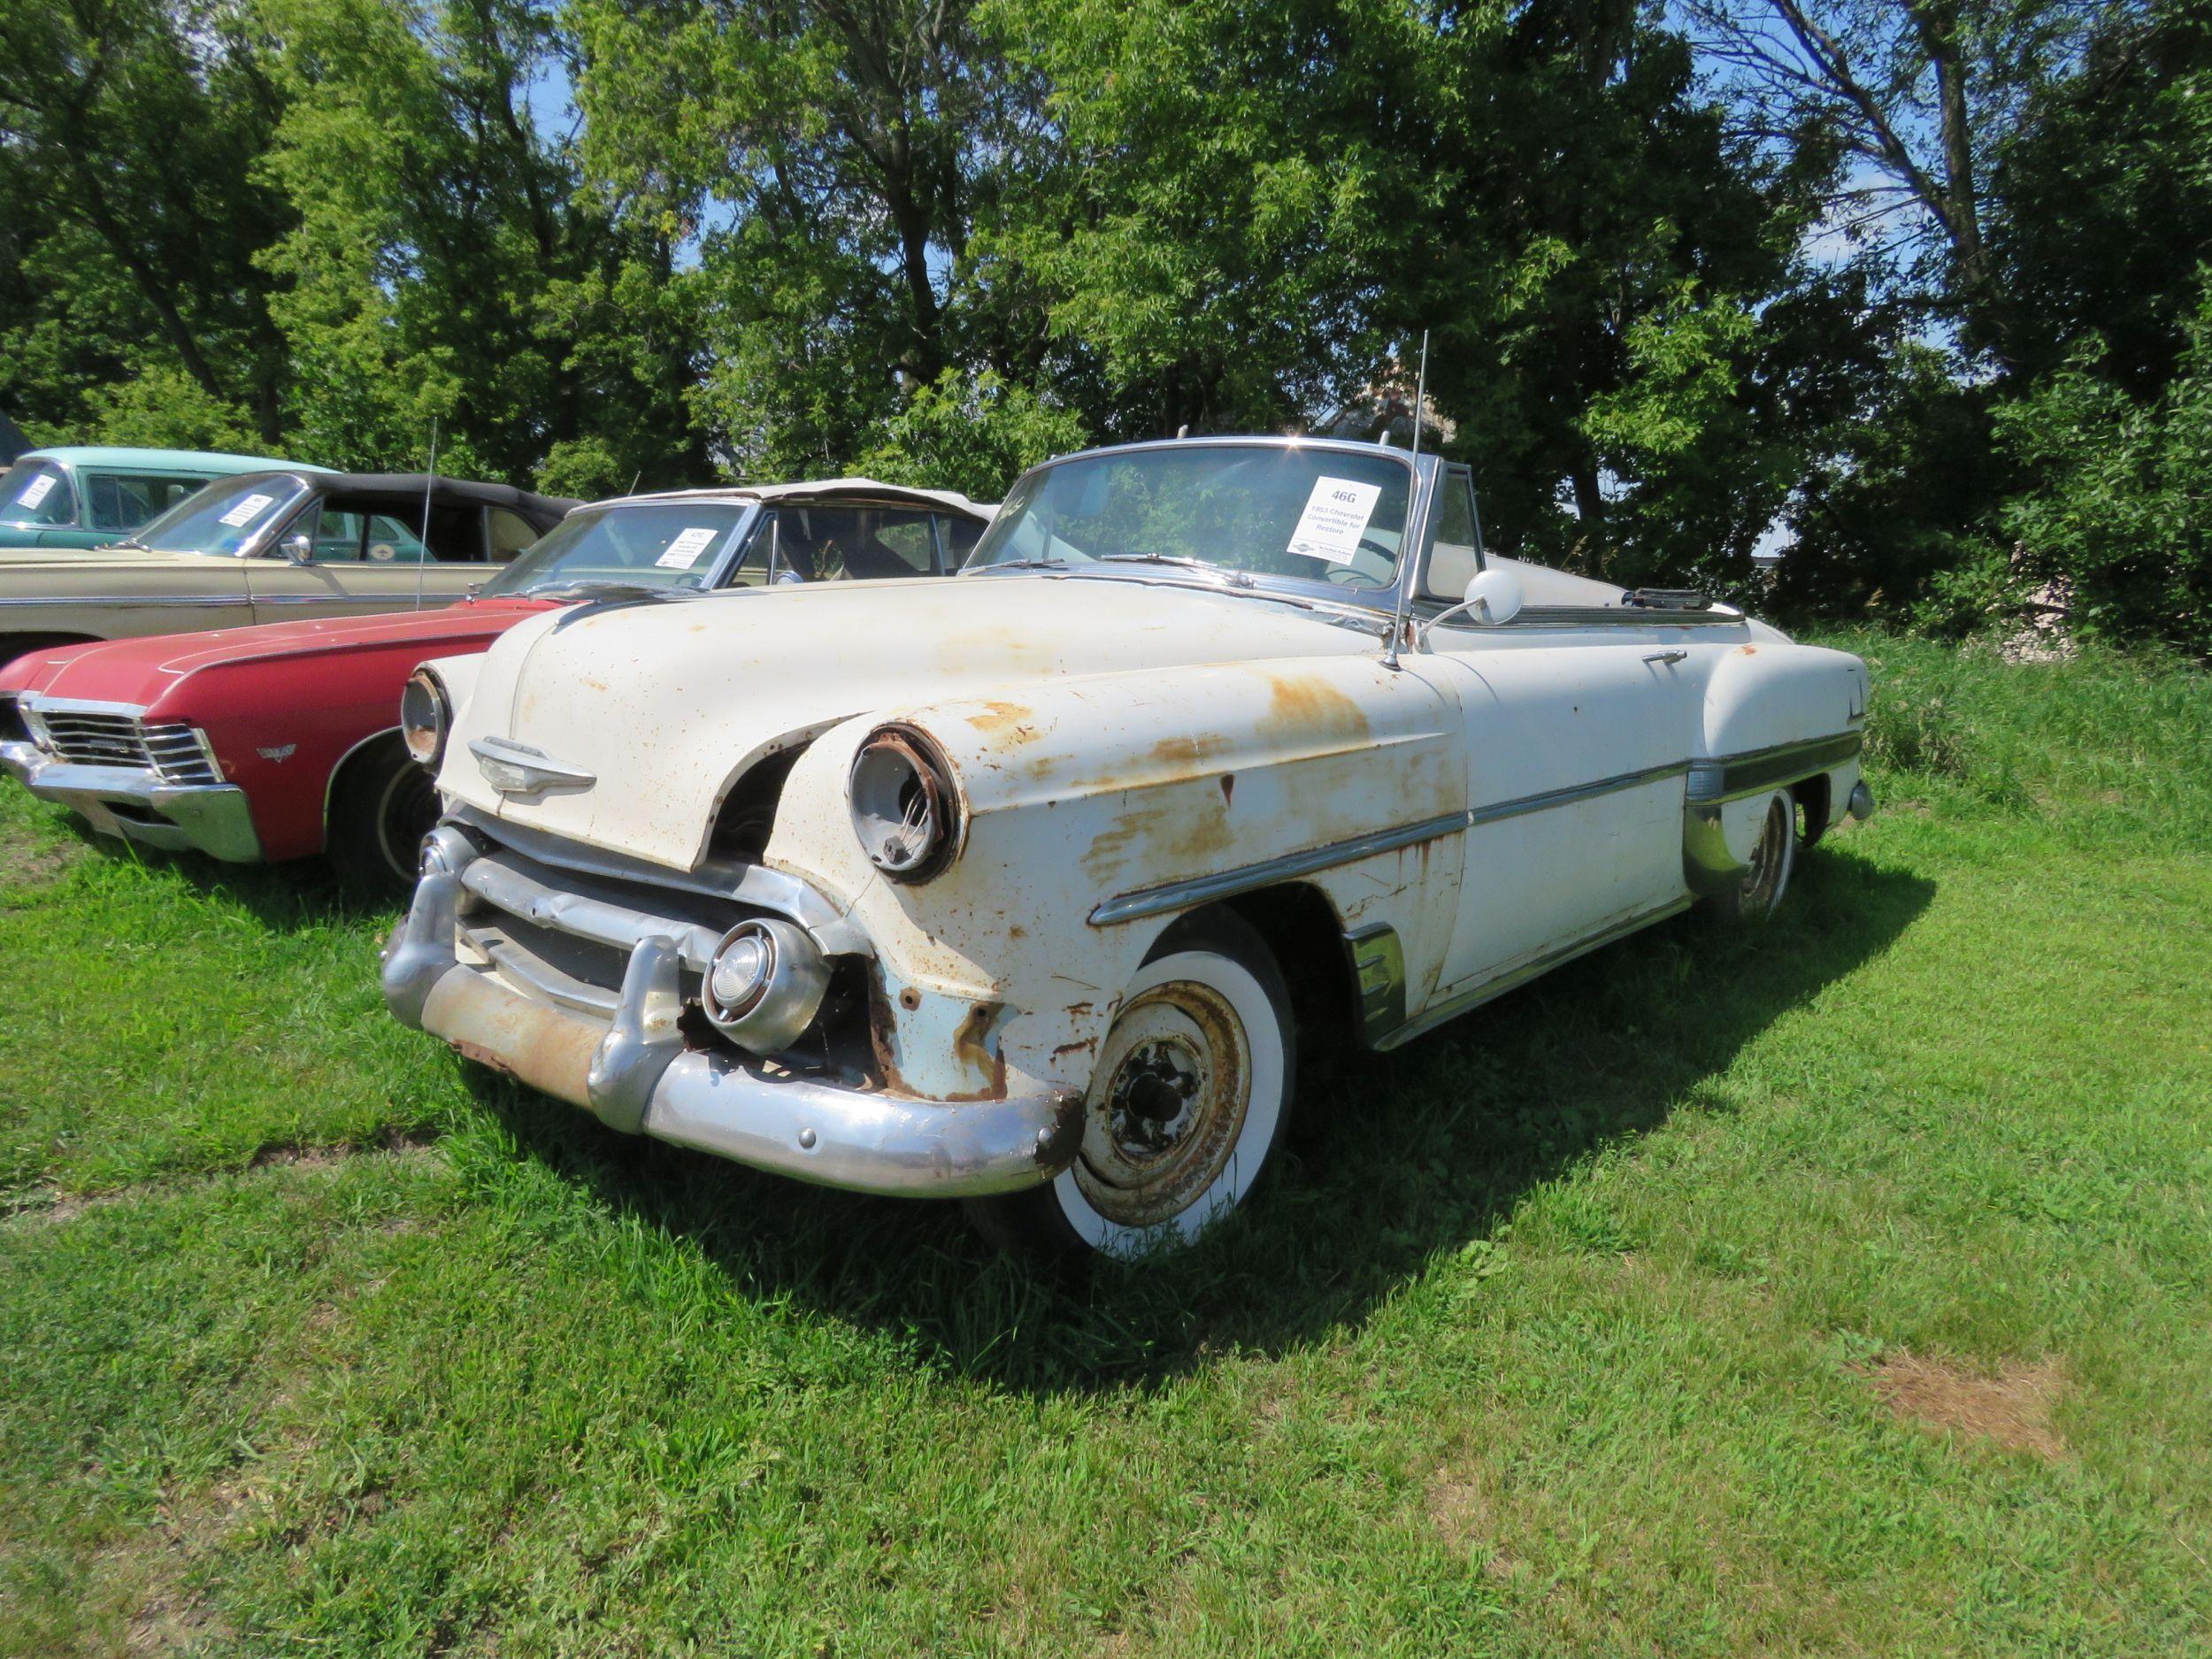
(1345, 575)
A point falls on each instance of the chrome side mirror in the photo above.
(299, 549)
(1493, 598)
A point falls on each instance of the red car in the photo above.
(282, 741)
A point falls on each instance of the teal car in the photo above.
(86, 497)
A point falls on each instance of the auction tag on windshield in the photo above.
(247, 510)
(1336, 514)
(40, 487)
(684, 551)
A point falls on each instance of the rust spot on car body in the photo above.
(1189, 753)
(1309, 705)
(1012, 723)
(1228, 788)
(1747, 650)
(1089, 1045)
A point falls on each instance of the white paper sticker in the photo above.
(247, 510)
(1336, 514)
(684, 551)
(40, 487)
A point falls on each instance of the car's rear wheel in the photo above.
(1757, 894)
(1185, 1109)
(380, 808)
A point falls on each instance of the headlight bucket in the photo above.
(905, 808)
(425, 717)
(763, 985)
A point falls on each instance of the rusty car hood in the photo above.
(665, 704)
(143, 671)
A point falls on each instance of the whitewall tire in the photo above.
(1185, 1109)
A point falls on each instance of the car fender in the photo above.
(1128, 790)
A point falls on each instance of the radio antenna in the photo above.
(422, 555)
(1406, 575)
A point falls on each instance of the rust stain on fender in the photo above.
(1306, 703)
(1014, 722)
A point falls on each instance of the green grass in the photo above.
(1571, 1329)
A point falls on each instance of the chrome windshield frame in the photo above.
(1381, 602)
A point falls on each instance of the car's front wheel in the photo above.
(1186, 1107)
(380, 808)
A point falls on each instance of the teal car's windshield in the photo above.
(37, 493)
(225, 516)
(1323, 515)
(657, 544)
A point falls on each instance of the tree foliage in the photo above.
(1922, 277)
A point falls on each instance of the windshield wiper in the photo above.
(1234, 579)
(1021, 565)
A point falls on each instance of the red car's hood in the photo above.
(140, 670)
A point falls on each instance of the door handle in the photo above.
(1667, 659)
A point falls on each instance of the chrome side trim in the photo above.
(1731, 777)
(1177, 895)
(1622, 617)
(1378, 968)
(1460, 1002)
(128, 601)
(1523, 804)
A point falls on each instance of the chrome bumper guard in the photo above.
(636, 1073)
(214, 818)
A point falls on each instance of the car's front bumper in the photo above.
(140, 805)
(637, 1072)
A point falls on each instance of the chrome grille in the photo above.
(171, 747)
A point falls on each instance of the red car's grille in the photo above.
(171, 747)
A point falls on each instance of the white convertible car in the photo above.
(992, 888)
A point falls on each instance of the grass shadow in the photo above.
(1401, 1157)
(286, 897)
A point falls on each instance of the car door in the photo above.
(1579, 729)
(355, 555)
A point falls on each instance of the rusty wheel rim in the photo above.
(1770, 860)
(1166, 1105)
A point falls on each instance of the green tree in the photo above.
(447, 264)
(128, 132)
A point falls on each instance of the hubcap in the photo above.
(1167, 1104)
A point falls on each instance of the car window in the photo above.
(1455, 559)
(123, 500)
(654, 544)
(960, 535)
(223, 517)
(510, 533)
(1320, 514)
(36, 493)
(819, 544)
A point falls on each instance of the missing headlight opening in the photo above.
(905, 810)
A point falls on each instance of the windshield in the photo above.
(663, 545)
(36, 493)
(1272, 510)
(225, 516)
